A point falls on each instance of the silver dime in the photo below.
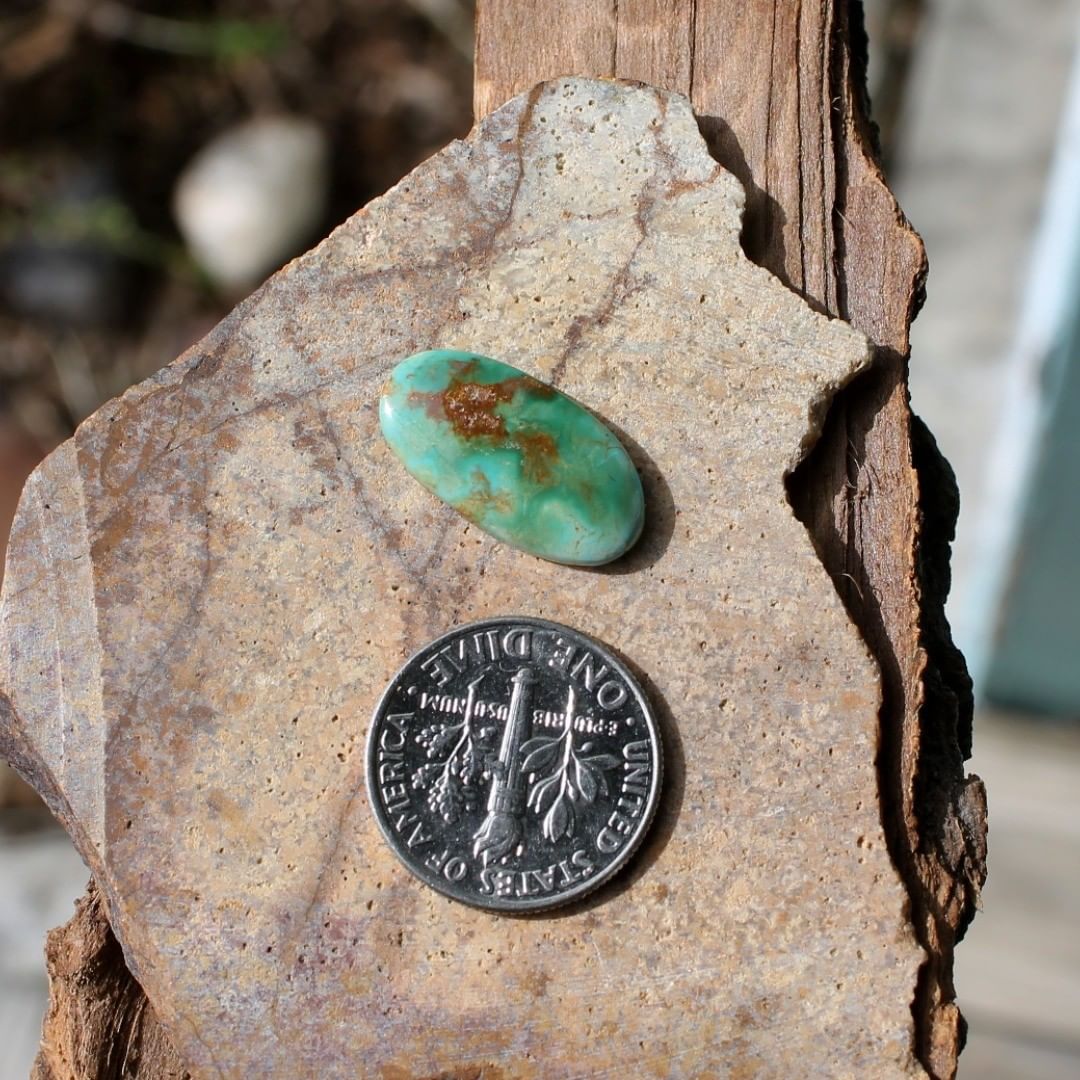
(514, 764)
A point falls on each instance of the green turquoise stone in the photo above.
(514, 456)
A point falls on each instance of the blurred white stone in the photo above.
(252, 196)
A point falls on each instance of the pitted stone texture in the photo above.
(211, 583)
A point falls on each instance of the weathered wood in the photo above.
(779, 90)
(99, 1023)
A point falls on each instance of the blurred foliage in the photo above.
(220, 38)
(102, 221)
(101, 106)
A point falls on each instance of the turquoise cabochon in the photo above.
(515, 456)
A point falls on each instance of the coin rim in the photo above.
(583, 888)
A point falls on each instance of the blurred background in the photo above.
(159, 160)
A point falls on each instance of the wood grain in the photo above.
(779, 92)
(99, 1023)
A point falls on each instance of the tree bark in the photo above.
(778, 89)
(99, 1023)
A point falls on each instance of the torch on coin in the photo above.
(501, 832)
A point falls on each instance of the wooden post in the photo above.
(778, 91)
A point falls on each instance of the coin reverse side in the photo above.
(514, 764)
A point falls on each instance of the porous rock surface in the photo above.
(209, 586)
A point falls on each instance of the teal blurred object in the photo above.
(1034, 659)
(1030, 657)
(513, 455)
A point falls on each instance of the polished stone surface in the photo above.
(513, 455)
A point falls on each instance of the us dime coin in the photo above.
(514, 764)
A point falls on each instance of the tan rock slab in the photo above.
(211, 583)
